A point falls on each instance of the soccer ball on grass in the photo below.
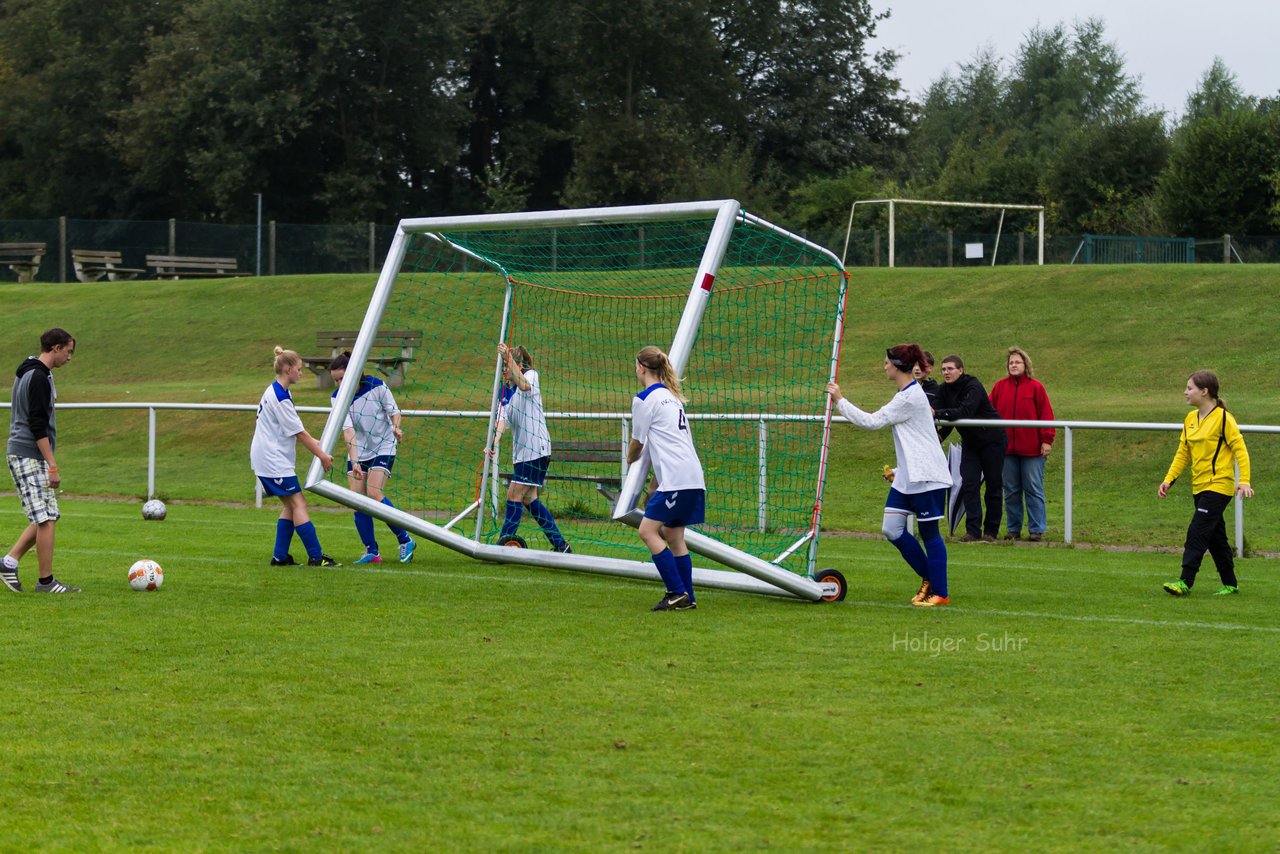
(154, 510)
(146, 575)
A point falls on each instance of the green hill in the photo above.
(1110, 344)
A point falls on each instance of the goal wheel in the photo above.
(514, 542)
(832, 576)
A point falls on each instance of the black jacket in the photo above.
(966, 398)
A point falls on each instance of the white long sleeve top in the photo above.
(921, 464)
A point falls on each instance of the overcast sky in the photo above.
(1169, 44)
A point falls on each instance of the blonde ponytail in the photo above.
(656, 360)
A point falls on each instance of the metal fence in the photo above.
(290, 249)
(762, 420)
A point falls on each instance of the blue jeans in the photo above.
(1024, 482)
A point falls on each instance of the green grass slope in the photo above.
(1110, 343)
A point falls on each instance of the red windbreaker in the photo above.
(1023, 399)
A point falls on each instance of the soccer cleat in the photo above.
(287, 560)
(368, 557)
(1226, 590)
(10, 579)
(564, 549)
(1177, 588)
(922, 593)
(323, 560)
(687, 606)
(932, 601)
(55, 586)
(674, 602)
(406, 550)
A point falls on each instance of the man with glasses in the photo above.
(981, 449)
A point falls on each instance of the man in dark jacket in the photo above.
(32, 439)
(981, 449)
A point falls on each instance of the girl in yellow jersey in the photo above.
(1210, 443)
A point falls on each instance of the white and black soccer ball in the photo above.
(146, 575)
(154, 510)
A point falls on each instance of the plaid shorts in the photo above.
(31, 477)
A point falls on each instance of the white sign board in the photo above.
(973, 250)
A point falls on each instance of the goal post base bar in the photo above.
(719, 579)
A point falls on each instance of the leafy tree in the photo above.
(1217, 94)
(1220, 174)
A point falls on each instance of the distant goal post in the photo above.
(893, 204)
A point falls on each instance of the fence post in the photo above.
(173, 236)
(762, 478)
(373, 248)
(1067, 488)
(876, 244)
(1239, 517)
(1022, 239)
(271, 248)
(951, 237)
(151, 452)
(62, 249)
(1226, 249)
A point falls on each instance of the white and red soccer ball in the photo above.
(146, 575)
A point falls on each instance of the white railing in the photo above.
(1067, 428)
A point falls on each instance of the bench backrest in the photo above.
(183, 262)
(587, 452)
(23, 251)
(100, 257)
(344, 340)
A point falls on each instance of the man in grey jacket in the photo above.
(32, 439)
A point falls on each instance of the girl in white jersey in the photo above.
(658, 424)
(920, 482)
(530, 449)
(275, 437)
(372, 432)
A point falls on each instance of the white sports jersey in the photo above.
(922, 467)
(274, 442)
(370, 416)
(530, 439)
(658, 423)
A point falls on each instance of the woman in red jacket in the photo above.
(1021, 397)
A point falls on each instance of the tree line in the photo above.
(373, 110)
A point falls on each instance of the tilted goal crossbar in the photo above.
(751, 313)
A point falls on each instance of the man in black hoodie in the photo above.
(981, 449)
(32, 438)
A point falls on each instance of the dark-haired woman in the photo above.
(372, 432)
(922, 477)
(1211, 443)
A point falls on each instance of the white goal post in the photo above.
(893, 203)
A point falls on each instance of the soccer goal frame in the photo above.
(893, 204)
(753, 574)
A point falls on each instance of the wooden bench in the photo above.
(92, 264)
(392, 367)
(23, 258)
(608, 454)
(187, 267)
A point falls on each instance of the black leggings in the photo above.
(1208, 532)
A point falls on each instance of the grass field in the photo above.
(1062, 703)
(1110, 343)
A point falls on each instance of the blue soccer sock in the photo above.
(937, 549)
(684, 566)
(512, 522)
(402, 536)
(909, 546)
(543, 517)
(666, 564)
(364, 527)
(310, 541)
(284, 534)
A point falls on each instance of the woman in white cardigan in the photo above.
(920, 482)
